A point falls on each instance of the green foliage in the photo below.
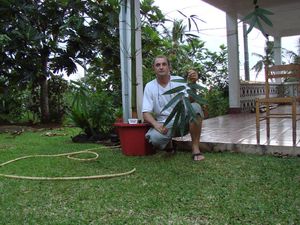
(92, 111)
(58, 105)
(217, 102)
(23, 104)
(14, 105)
(267, 59)
(256, 18)
(50, 37)
(44, 38)
(183, 111)
(292, 56)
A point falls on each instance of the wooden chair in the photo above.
(275, 72)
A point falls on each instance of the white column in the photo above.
(277, 55)
(124, 25)
(277, 50)
(139, 63)
(233, 62)
(126, 59)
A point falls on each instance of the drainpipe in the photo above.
(246, 53)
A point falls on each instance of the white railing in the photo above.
(249, 91)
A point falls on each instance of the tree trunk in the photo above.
(44, 97)
(44, 100)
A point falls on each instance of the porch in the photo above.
(237, 133)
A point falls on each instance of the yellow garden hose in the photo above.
(70, 155)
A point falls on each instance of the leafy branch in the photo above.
(183, 111)
(256, 18)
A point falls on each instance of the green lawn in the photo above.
(226, 188)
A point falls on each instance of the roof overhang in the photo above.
(286, 18)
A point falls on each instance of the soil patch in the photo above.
(108, 140)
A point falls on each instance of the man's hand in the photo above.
(157, 126)
(192, 76)
(161, 128)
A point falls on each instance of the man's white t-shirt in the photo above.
(154, 100)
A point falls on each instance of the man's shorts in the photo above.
(159, 140)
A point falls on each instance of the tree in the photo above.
(104, 71)
(49, 37)
(291, 56)
(267, 59)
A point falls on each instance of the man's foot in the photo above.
(170, 152)
(198, 156)
(170, 148)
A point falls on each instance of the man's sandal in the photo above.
(196, 157)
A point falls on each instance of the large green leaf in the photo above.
(182, 121)
(266, 20)
(252, 24)
(175, 111)
(173, 100)
(175, 90)
(196, 97)
(255, 17)
(179, 80)
(264, 11)
(190, 109)
(177, 117)
(195, 86)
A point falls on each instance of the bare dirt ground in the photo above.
(21, 128)
(15, 130)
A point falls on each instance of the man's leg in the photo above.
(195, 131)
(158, 140)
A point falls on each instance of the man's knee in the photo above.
(157, 139)
(198, 109)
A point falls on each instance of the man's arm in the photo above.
(192, 78)
(156, 125)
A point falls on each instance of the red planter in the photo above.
(132, 138)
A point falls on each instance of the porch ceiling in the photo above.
(285, 19)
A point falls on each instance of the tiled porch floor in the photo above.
(237, 132)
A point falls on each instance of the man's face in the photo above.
(161, 67)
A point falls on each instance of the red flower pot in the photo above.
(132, 138)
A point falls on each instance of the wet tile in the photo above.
(241, 129)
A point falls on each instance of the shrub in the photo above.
(217, 103)
(92, 111)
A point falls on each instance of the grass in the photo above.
(226, 188)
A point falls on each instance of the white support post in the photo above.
(277, 50)
(125, 63)
(139, 63)
(126, 59)
(277, 55)
(233, 62)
